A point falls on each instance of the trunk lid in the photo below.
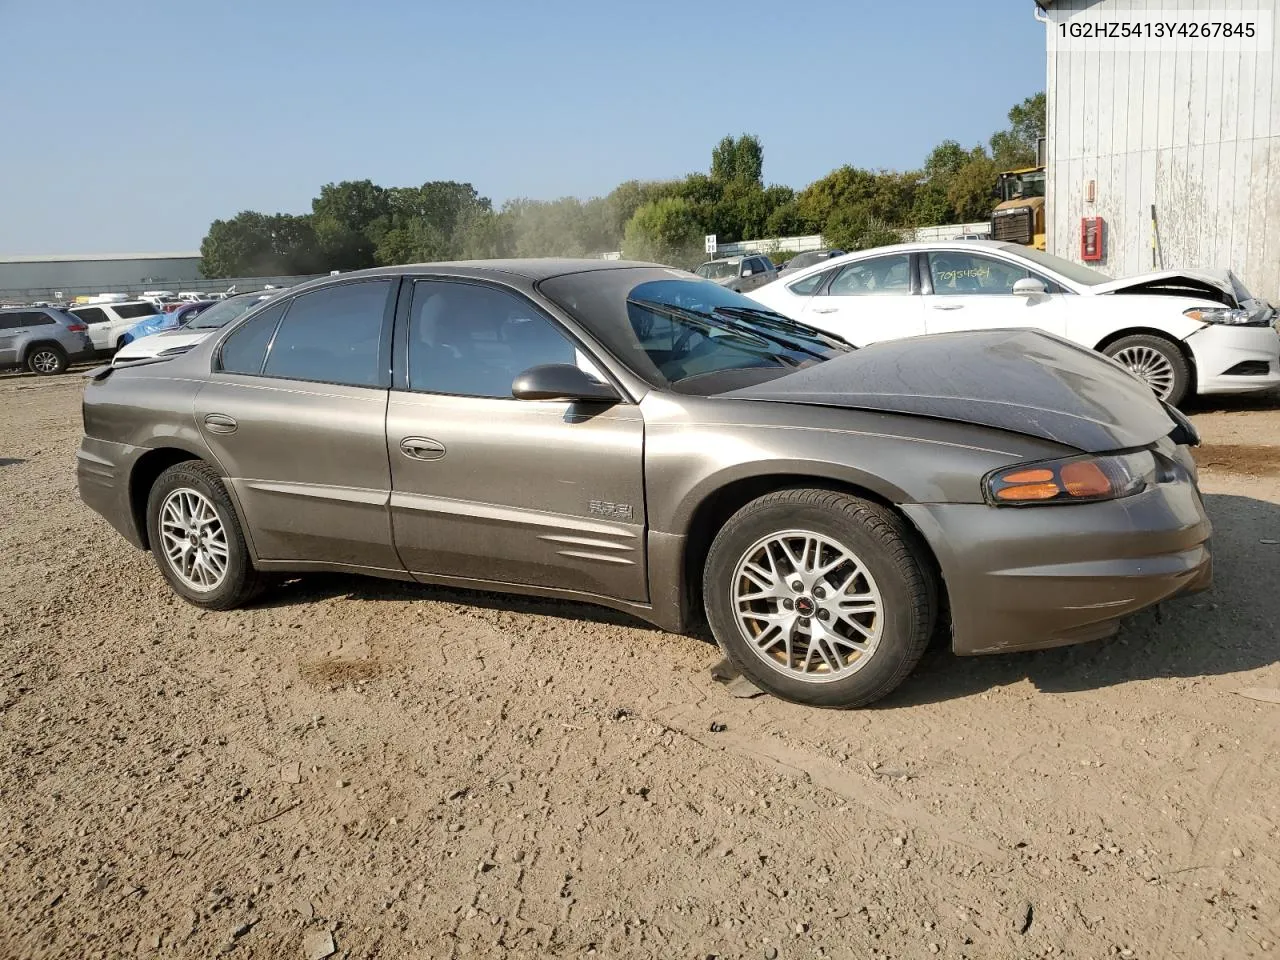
(1023, 381)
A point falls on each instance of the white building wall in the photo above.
(1195, 133)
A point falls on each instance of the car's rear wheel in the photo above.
(1157, 362)
(820, 597)
(46, 360)
(196, 538)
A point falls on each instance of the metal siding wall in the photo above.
(1196, 133)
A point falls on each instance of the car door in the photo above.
(867, 300)
(754, 273)
(295, 413)
(974, 291)
(13, 331)
(99, 324)
(489, 488)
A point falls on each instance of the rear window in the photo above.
(91, 315)
(132, 311)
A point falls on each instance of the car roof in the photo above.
(532, 268)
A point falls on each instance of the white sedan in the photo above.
(1184, 332)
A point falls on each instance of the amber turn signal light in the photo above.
(1075, 480)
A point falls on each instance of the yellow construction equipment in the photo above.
(1019, 216)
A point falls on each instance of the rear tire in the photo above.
(196, 538)
(47, 360)
(1157, 362)
(864, 612)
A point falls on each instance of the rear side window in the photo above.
(131, 311)
(881, 276)
(24, 318)
(333, 336)
(91, 315)
(246, 349)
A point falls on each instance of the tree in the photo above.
(971, 190)
(739, 160)
(1016, 147)
(253, 244)
(853, 228)
(664, 231)
(343, 214)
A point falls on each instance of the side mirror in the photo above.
(1028, 287)
(561, 381)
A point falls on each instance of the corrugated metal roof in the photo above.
(72, 258)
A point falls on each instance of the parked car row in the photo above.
(46, 338)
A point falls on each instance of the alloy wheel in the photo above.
(807, 606)
(1151, 366)
(195, 542)
(45, 361)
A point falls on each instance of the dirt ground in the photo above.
(398, 771)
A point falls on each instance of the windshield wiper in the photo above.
(777, 320)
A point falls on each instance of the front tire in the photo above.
(1157, 362)
(819, 597)
(47, 360)
(196, 538)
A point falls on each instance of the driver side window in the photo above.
(960, 274)
(472, 340)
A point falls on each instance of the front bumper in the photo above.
(1029, 578)
(1219, 347)
(102, 478)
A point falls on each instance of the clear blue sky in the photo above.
(129, 125)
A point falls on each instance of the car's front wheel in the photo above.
(196, 538)
(46, 360)
(819, 597)
(1157, 362)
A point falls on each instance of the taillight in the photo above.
(77, 327)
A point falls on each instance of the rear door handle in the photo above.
(948, 306)
(422, 448)
(220, 423)
(825, 309)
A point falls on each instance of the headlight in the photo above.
(1218, 315)
(1085, 479)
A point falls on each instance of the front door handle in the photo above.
(422, 448)
(825, 309)
(948, 306)
(220, 423)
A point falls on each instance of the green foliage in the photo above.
(664, 231)
(970, 191)
(738, 160)
(852, 228)
(253, 244)
(1016, 147)
(357, 223)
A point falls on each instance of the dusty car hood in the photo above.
(1019, 380)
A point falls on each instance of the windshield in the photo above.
(688, 335)
(717, 270)
(223, 312)
(1072, 271)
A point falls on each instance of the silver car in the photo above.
(739, 273)
(631, 435)
(45, 340)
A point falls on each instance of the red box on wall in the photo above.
(1091, 229)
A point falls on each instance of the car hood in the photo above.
(1218, 279)
(1023, 381)
(157, 342)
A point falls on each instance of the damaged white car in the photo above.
(1184, 332)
